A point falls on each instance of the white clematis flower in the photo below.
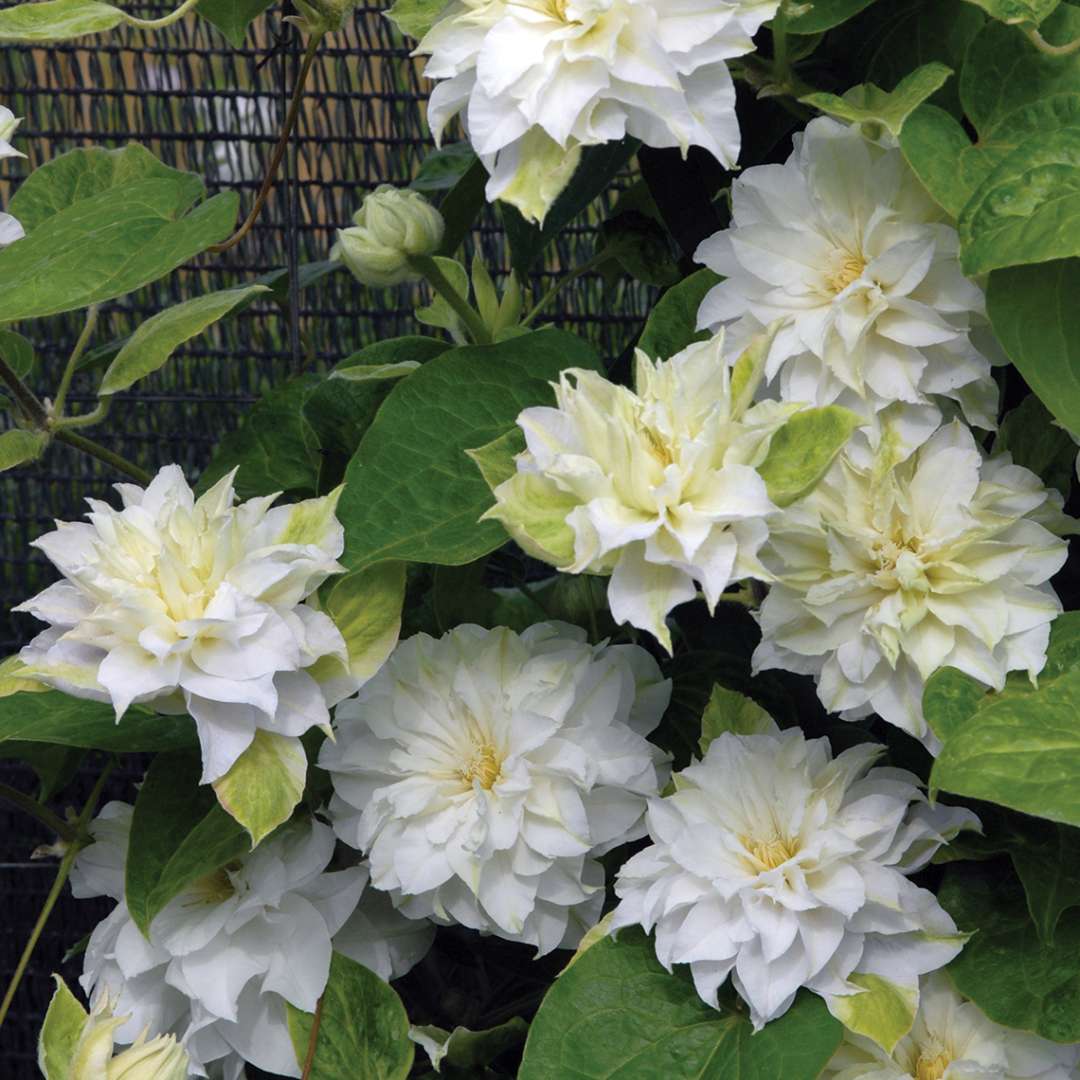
(843, 243)
(194, 606)
(9, 124)
(889, 571)
(225, 955)
(537, 80)
(657, 488)
(953, 1040)
(786, 868)
(483, 772)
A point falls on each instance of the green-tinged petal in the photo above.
(59, 1036)
(884, 1011)
(311, 521)
(265, 784)
(533, 511)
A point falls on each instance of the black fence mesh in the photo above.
(199, 104)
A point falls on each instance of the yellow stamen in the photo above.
(846, 270)
(485, 767)
(932, 1068)
(772, 852)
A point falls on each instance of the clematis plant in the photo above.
(695, 707)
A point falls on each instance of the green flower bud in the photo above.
(391, 225)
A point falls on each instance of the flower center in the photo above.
(846, 269)
(484, 767)
(214, 888)
(932, 1068)
(772, 852)
(658, 446)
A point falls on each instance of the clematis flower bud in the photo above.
(391, 225)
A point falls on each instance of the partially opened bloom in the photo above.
(485, 771)
(160, 1058)
(783, 867)
(891, 570)
(537, 80)
(226, 954)
(952, 1039)
(194, 605)
(657, 487)
(843, 243)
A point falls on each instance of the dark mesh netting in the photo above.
(199, 104)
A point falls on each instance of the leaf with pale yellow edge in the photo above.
(366, 607)
(265, 784)
(60, 1033)
(15, 680)
(600, 931)
(884, 1012)
(728, 710)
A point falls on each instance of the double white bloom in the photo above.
(889, 571)
(195, 606)
(485, 771)
(844, 244)
(657, 488)
(227, 953)
(10, 229)
(952, 1039)
(778, 865)
(537, 80)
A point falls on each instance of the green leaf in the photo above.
(1028, 209)
(803, 449)
(55, 766)
(884, 1012)
(616, 1013)
(154, 341)
(462, 206)
(1021, 747)
(57, 20)
(672, 324)
(265, 784)
(1029, 433)
(179, 835)
(60, 1033)
(728, 710)
(55, 718)
(825, 14)
(16, 352)
(66, 180)
(1035, 317)
(1018, 11)
(109, 244)
(1011, 92)
(599, 166)
(938, 30)
(1046, 858)
(19, 446)
(873, 107)
(341, 408)
(1016, 979)
(415, 18)
(274, 449)
(465, 1049)
(443, 168)
(411, 492)
(232, 17)
(363, 1032)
